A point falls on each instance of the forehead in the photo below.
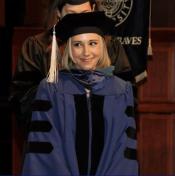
(69, 8)
(85, 37)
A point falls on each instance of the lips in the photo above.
(86, 59)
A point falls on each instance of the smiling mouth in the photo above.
(86, 59)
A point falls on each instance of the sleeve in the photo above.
(131, 151)
(119, 60)
(44, 154)
(128, 163)
(27, 76)
(31, 52)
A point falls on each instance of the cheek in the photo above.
(75, 52)
(98, 52)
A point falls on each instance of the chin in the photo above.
(87, 67)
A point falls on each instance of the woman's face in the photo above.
(86, 50)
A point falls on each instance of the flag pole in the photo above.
(150, 52)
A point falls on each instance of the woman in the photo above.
(83, 123)
(34, 60)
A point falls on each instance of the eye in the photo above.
(76, 44)
(93, 43)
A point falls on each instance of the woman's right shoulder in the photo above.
(62, 78)
(41, 39)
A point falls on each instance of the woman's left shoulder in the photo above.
(119, 85)
(119, 82)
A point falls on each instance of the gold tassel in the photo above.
(52, 76)
(150, 51)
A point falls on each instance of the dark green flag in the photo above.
(132, 29)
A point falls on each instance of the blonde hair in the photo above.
(67, 59)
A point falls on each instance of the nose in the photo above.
(86, 50)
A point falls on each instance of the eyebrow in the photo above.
(92, 40)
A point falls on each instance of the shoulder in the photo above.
(116, 85)
(119, 82)
(66, 84)
(119, 87)
(42, 40)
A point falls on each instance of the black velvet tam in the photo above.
(90, 22)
